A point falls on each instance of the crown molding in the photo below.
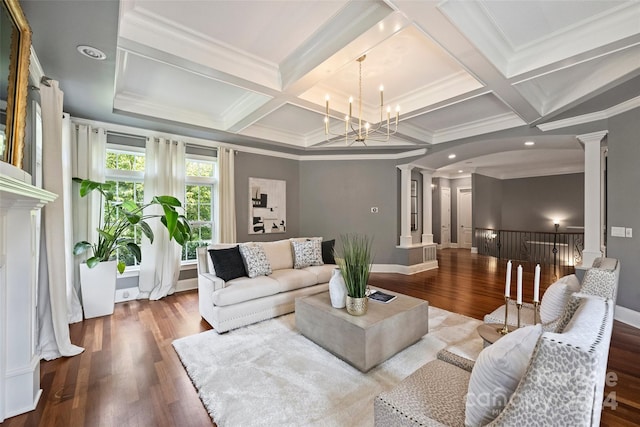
(403, 155)
(133, 103)
(479, 127)
(592, 117)
(142, 26)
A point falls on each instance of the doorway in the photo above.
(464, 217)
(445, 217)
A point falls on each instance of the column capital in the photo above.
(405, 167)
(427, 172)
(592, 137)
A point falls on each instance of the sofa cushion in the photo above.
(497, 372)
(255, 260)
(227, 263)
(279, 254)
(327, 251)
(290, 279)
(431, 396)
(245, 289)
(600, 282)
(307, 253)
(556, 297)
(322, 272)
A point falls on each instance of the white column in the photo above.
(592, 196)
(405, 205)
(427, 206)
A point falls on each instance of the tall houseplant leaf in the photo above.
(354, 258)
(116, 218)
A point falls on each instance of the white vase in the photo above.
(98, 286)
(337, 289)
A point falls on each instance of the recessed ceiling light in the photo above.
(529, 143)
(91, 52)
(452, 156)
(460, 171)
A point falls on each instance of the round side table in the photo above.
(489, 333)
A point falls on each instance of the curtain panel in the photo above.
(164, 175)
(227, 200)
(56, 286)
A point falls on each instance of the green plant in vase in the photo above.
(354, 258)
(117, 216)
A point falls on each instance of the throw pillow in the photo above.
(228, 263)
(307, 253)
(279, 254)
(556, 297)
(327, 251)
(497, 372)
(255, 260)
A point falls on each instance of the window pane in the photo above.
(205, 194)
(205, 213)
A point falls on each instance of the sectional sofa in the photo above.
(240, 284)
(528, 377)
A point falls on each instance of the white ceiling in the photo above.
(457, 69)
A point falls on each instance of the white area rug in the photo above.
(268, 374)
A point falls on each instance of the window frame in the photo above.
(211, 181)
(126, 176)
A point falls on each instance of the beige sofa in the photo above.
(231, 304)
(560, 382)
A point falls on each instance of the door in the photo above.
(445, 217)
(464, 218)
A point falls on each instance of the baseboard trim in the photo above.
(404, 269)
(187, 284)
(628, 316)
(130, 294)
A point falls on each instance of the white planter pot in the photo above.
(337, 289)
(98, 286)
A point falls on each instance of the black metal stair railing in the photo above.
(536, 247)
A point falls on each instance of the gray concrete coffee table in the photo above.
(363, 341)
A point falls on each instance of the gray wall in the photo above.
(487, 202)
(623, 202)
(531, 204)
(336, 197)
(528, 204)
(256, 166)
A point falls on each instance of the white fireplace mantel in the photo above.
(20, 203)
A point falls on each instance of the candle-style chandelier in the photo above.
(358, 130)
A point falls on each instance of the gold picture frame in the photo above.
(18, 82)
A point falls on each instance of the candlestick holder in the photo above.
(505, 329)
(519, 308)
(536, 305)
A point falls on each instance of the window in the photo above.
(200, 191)
(125, 169)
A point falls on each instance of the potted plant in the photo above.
(98, 273)
(354, 259)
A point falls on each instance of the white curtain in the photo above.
(227, 200)
(164, 176)
(88, 150)
(55, 276)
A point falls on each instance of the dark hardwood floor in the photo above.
(129, 374)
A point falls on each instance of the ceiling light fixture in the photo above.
(91, 52)
(358, 130)
(452, 156)
(529, 143)
(460, 171)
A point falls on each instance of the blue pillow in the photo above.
(228, 263)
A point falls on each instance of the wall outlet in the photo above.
(617, 232)
(374, 209)
(628, 232)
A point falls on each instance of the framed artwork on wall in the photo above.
(267, 206)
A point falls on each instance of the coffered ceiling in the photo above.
(260, 70)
